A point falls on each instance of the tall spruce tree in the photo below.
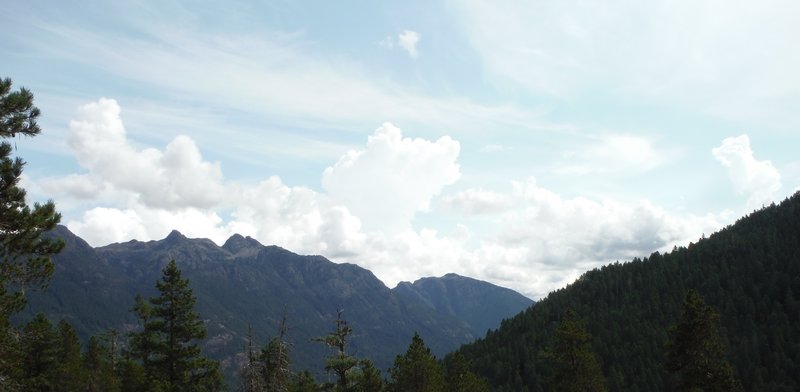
(576, 366)
(167, 344)
(696, 355)
(24, 252)
(416, 370)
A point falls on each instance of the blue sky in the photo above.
(517, 142)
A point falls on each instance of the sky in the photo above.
(518, 142)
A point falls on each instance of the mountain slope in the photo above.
(749, 272)
(476, 302)
(241, 284)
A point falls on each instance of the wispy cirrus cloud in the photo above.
(708, 55)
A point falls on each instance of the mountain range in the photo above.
(244, 285)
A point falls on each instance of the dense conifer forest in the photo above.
(748, 272)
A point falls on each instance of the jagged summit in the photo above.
(238, 244)
(175, 236)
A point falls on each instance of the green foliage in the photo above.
(367, 378)
(167, 344)
(340, 363)
(696, 353)
(40, 352)
(460, 378)
(24, 252)
(416, 370)
(100, 364)
(304, 382)
(70, 374)
(749, 271)
(275, 359)
(268, 370)
(576, 366)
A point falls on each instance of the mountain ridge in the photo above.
(244, 283)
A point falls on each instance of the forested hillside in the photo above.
(749, 272)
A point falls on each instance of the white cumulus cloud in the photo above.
(385, 184)
(536, 241)
(478, 201)
(759, 180)
(173, 178)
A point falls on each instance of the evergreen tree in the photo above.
(576, 366)
(367, 378)
(99, 366)
(40, 351)
(304, 382)
(70, 374)
(459, 378)
(275, 361)
(251, 373)
(416, 370)
(24, 252)
(695, 354)
(167, 344)
(340, 363)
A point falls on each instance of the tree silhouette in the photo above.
(696, 355)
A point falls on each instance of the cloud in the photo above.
(489, 148)
(79, 186)
(102, 225)
(554, 239)
(538, 242)
(759, 180)
(176, 177)
(613, 154)
(276, 76)
(408, 40)
(393, 178)
(478, 201)
(710, 57)
(581, 229)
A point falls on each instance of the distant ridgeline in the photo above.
(749, 272)
(245, 284)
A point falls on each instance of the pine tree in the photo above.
(367, 378)
(99, 364)
(460, 379)
(40, 351)
(167, 344)
(696, 355)
(304, 382)
(69, 374)
(576, 366)
(24, 252)
(416, 370)
(340, 363)
(275, 361)
(251, 373)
